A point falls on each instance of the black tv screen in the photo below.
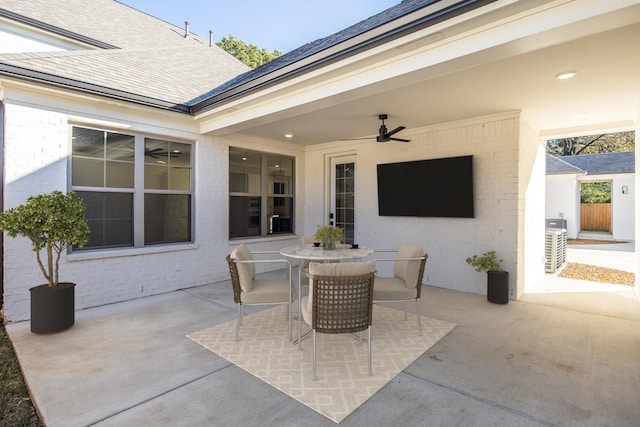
(427, 188)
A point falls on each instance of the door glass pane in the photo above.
(345, 199)
(167, 218)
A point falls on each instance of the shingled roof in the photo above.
(134, 56)
(592, 164)
(305, 58)
(139, 58)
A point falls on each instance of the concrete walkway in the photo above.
(528, 363)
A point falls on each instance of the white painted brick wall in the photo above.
(37, 146)
(494, 143)
(36, 149)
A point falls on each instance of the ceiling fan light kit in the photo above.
(384, 135)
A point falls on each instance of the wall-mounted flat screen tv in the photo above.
(427, 188)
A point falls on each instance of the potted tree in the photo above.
(329, 236)
(497, 278)
(52, 222)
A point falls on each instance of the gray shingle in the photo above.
(153, 59)
(298, 55)
(605, 163)
(557, 166)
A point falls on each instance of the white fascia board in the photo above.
(439, 44)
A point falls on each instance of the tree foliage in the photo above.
(595, 192)
(52, 222)
(592, 144)
(250, 54)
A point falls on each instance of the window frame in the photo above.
(267, 192)
(138, 190)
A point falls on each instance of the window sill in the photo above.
(248, 240)
(127, 252)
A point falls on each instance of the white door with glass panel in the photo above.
(342, 213)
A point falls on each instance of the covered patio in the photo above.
(546, 360)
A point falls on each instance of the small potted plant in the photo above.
(52, 222)
(497, 278)
(329, 236)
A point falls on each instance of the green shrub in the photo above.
(52, 222)
(486, 262)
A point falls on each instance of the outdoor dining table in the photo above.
(342, 252)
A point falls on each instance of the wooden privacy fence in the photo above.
(595, 217)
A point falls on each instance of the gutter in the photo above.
(313, 61)
(94, 89)
(55, 30)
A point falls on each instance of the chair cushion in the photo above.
(267, 291)
(342, 269)
(333, 269)
(408, 270)
(391, 288)
(246, 272)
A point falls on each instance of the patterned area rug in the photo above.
(343, 384)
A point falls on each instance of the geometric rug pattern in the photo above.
(343, 383)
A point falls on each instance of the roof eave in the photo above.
(55, 30)
(85, 87)
(331, 55)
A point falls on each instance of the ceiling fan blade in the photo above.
(393, 132)
(400, 139)
(357, 139)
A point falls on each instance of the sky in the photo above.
(281, 25)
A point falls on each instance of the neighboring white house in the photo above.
(565, 175)
(181, 152)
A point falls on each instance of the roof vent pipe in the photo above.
(186, 30)
(210, 38)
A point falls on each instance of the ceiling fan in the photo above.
(157, 153)
(384, 135)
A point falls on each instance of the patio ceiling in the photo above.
(515, 70)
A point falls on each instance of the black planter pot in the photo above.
(52, 308)
(498, 287)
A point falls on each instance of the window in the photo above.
(261, 199)
(137, 190)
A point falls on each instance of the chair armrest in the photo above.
(265, 252)
(269, 261)
(262, 261)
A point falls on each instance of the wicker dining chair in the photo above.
(303, 267)
(247, 290)
(406, 283)
(340, 301)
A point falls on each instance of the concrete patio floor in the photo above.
(550, 359)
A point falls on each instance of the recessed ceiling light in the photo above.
(288, 135)
(579, 115)
(566, 75)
